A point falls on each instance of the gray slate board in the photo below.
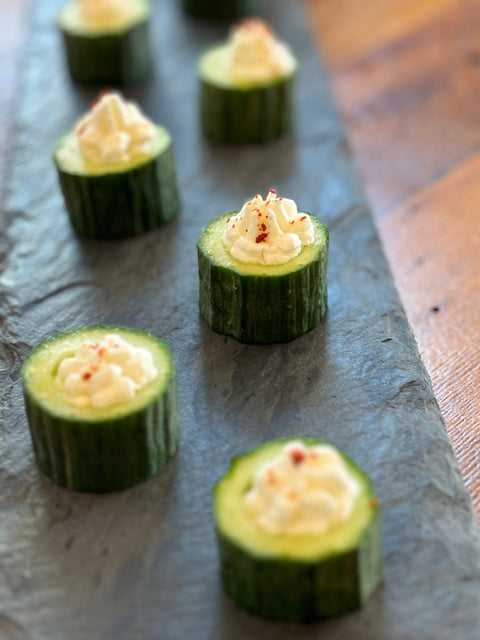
(142, 564)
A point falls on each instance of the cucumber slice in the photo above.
(242, 112)
(100, 449)
(303, 577)
(219, 9)
(262, 304)
(114, 54)
(118, 200)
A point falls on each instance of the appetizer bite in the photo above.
(107, 41)
(299, 531)
(247, 86)
(263, 271)
(117, 171)
(102, 407)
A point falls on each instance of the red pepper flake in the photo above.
(374, 502)
(261, 237)
(86, 376)
(292, 221)
(297, 456)
(233, 226)
(102, 351)
(263, 226)
(303, 218)
(273, 191)
(228, 219)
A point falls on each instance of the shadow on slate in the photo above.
(143, 563)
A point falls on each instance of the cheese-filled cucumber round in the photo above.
(104, 51)
(262, 304)
(130, 192)
(295, 575)
(94, 427)
(219, 9)
(242, 100)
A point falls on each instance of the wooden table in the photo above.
(406, 76)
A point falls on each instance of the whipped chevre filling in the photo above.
(268, 232)
(114, 131)
(303, 491)
(103, 10)
(105, 373)
(254, 53)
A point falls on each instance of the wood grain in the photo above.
(406, 76)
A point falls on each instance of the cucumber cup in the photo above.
(300, 577)
(262, 303)
(247, 89)
(100, 447)
(112, 50)
(110, 194)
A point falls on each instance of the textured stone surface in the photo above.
(143, 563)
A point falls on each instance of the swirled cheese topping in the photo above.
(114, 131)
(254, 53)
(270, 231)
(303, 491)
(95, 11)
(105, 373)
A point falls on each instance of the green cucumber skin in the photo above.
(122, 205)
(219, 9)
(293, 591)
(116, 59)
(111, 456)
(246, 115)
(263, 309)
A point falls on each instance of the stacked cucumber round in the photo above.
(100, 449)
(115, 55)
(303, 577)
(118, 200)
(262, 304)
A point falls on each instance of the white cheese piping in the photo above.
(114, 131)
(105, 373)
(255, 54)
(268, 232)
(303, 491)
